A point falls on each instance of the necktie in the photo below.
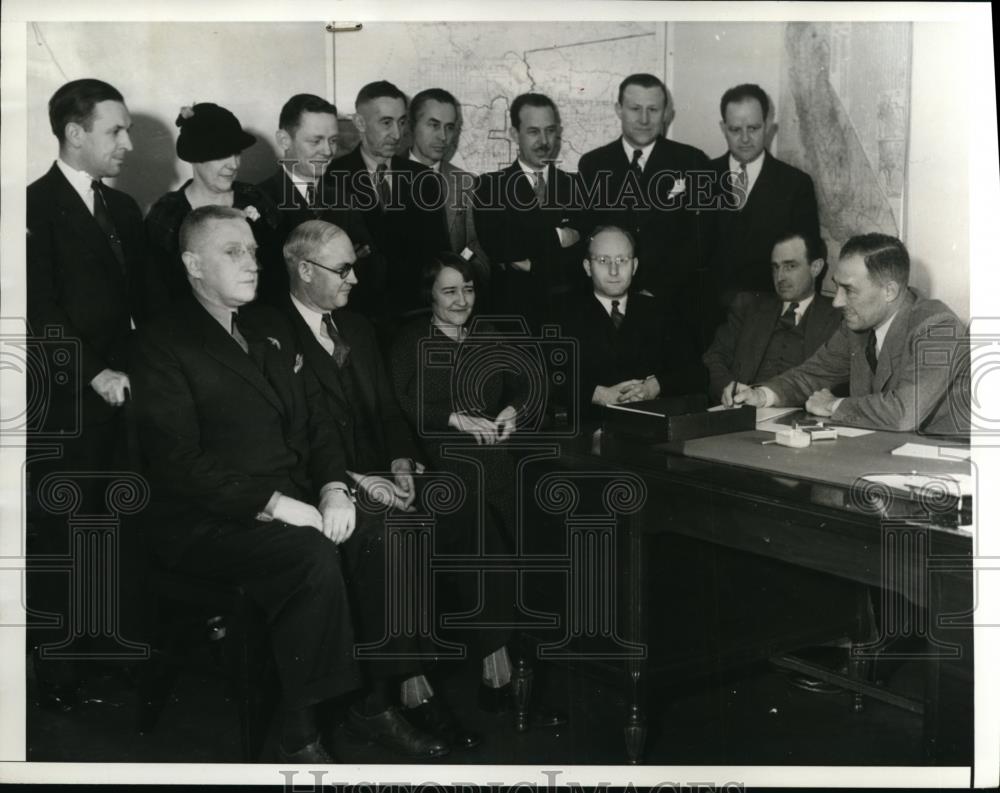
(741, 186)
(617, 318)
(540, 187)
(234, 330)
(103, 218)
(635, 167)
(311, 195)
(870, 354)
(787, 320)
(341, 349)
(382, 187)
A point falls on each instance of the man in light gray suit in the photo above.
(435, 122)
(900, 352)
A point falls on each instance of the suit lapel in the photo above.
(224, 348)
(359, 360)
(893, 346)
(76, 216)
(761, 327)
(318, 359)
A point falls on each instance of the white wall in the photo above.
(708, 58)
(249, 68)
(937, 199)
(252, 68)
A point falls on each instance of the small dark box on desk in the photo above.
(676, 419)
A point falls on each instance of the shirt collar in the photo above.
(301, 184)
(532, 171)
(221, 314)
(434, 166)
(646, 150)
(606, 302)
(804, 303)
(370, 164)
(753, 167)
(80, 180)
(313, 318)
(881, 331)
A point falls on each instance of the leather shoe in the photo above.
(435, 717)
(547, 717)
(392, 731)
(814, 685)
(57, 698)
(312, 754)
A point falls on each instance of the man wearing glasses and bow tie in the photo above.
(629, 349)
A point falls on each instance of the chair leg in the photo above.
(521, 681)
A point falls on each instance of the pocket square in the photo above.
(678, 187)
(298, 363)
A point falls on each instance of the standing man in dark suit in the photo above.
(307, 136)
(757, 198)
(767, 333)
(239, 448)
(528, 217)
(399, 200)
(899, 351)
(435, 124)
(629, 349)
(648, 185)
(88, 283)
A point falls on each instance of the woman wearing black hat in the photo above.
(211, 139)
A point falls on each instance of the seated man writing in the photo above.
(877, 350)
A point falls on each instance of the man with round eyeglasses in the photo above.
(629, 349)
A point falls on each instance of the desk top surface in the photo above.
(832, 462)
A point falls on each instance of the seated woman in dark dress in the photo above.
(211, 139)
(447, 413)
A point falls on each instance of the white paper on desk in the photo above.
(929, 452)
(851, 432)
(929, 484)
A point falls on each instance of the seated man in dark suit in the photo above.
(529, 219)
(238, 455)
(239, 447)
(767, 333)
(399, 200)
(757, 198)
(307, 137)
(629, 348)
(879, 349)
(339, 346)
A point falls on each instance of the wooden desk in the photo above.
(807, 508)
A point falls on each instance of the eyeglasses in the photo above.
(343, 271)
(606, 261)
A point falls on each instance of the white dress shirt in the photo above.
(81, 183)
(801, 310)
(314, 321)
(646, 151)
(753, 170)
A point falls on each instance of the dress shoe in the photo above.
(392, 731)
(311, 754)
(435, 717)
